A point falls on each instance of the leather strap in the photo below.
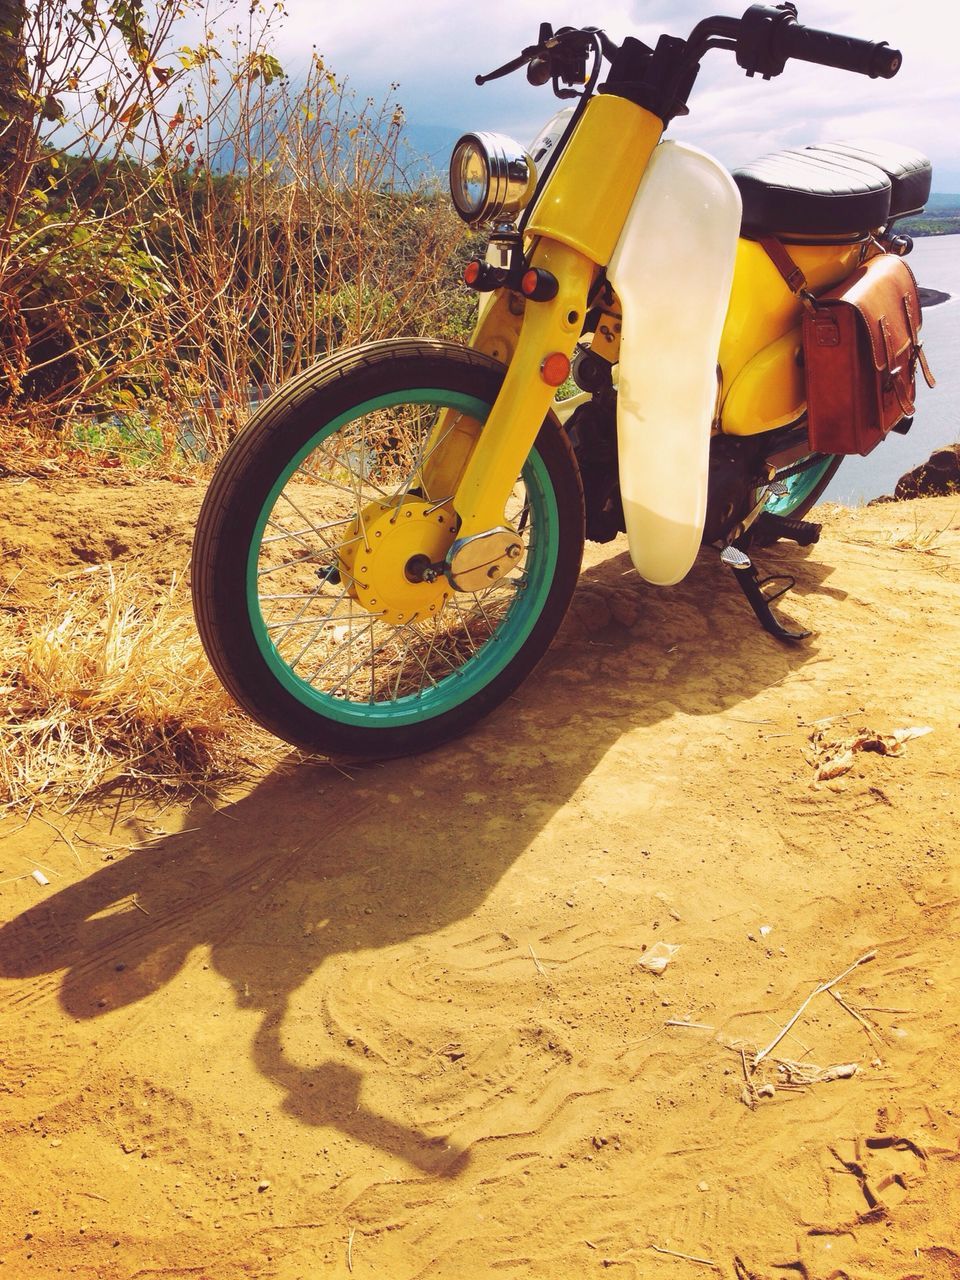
(927, 375)
(918, 345)
(796, 280)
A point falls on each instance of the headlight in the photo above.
(491, 178)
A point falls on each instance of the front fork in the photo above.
(547, 329)
(574, 228)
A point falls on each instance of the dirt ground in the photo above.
(393, 1023)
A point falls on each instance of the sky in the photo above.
(432, 49)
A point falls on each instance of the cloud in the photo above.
(433, 49)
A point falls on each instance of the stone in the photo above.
(935, 478)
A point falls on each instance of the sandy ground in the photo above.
(393, 1024)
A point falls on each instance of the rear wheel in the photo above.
(804, 487)
(308, 562)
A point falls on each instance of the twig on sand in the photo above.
(353, 1232)
(695, 1026)
(63, 836)
(749, 1088)
(867, 1026)
(688, 1257)
(824, 986)
(540, 968)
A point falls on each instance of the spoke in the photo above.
(463, 622)
(339, 651)
(439, 651)
(310, 558)
(403, 662)
(373, 669)
(426, 454)
(299, 533)
(303, 516)
(320, 626)
(483, 613)
(307, 622)
(343, 461)
(292, 595)
(357, 665)
(407, 483)
(433, 641)
(287, 564)
(298, 619)
(342, 488)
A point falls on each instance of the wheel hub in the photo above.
(385, 552)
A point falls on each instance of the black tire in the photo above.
(344, 467)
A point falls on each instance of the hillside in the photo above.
(941, 217)
(391, 1022)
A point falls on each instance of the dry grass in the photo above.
(921, 538)
(110, 686)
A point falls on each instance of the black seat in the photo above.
(909, 170)
(812, 192)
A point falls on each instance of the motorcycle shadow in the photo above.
(313, 865)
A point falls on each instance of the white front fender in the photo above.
(672, 270)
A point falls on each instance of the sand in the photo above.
(395, 1023)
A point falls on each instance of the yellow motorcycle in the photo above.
(389, 547)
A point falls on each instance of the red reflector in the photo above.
(529, 282)
(555, 369)
(471, 272)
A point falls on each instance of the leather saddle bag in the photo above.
(861, 348)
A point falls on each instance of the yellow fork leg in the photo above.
(524, 399)
(454, 436)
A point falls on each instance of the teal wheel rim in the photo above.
(799, 488)
(498, 631)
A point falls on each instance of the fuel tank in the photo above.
(672, 270)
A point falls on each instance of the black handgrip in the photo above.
(846, 53)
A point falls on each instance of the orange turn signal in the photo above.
(539, 285)
(471, 272)
(555, 369)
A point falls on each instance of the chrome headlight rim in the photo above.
(510, 177)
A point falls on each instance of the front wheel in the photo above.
(308, 565)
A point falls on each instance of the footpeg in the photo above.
(768, 528)
(760, 600)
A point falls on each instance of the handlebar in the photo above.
(767, 36)
(846, 53)
(764, 39)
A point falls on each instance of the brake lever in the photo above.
(514, 65)
(509, 67)
(544, 50)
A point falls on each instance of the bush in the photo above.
(186, 228)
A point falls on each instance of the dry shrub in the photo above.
(183, 228)
(110, 686)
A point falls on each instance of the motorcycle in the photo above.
(389, 546)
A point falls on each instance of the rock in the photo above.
(935, 478)
(931, 297)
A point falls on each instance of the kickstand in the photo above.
(752, 586)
